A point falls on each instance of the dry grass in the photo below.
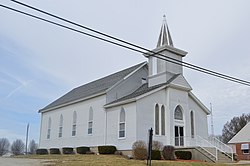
(107, 160)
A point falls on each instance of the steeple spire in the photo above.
(164, 37)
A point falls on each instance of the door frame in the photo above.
(179, 135)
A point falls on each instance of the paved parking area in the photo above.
(7, 161)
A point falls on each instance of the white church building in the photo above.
(120, 108)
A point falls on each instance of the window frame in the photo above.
(122, 122)
(163, 121)
(245, 151)
(157, 119)
(178, 115)
(192, 124)
(90, 121)
(60, 133)
(49, 129)
(73, 133)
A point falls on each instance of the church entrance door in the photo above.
(179, 135)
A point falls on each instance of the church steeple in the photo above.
(164, 37)
(160, 70)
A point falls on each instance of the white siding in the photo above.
(145, 116)
(200, 119)
(82, 137)
(113, 127)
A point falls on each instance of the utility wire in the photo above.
(157, 55)
(128, 43)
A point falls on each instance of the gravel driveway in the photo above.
(8, 161)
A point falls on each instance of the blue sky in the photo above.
(40, 62)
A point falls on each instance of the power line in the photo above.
(207, 71)
(154, 54)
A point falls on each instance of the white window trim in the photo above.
(192, 136)
(163, 106)
(244, 152)
(122, 130)
(74, 129)
(181, 109)
(245, 146)
(48, 133)
(91, 121)
(159, 126)
(49, 129)
(119, 122)
(160, 120)
(60, 132)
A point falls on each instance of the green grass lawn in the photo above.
(108, 160)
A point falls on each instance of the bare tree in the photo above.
(231, 128)
(4, 146)
(32, 147)
(17, 147)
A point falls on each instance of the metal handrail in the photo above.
(199, 142)
(211, 145)
(206, 144)
(227, 150)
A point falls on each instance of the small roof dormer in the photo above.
(164, 37)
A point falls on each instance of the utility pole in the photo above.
(212, 120)
(27, 135)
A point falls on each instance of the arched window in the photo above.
(74, 124)
(192, 123)
(122, 124)
(49, 128)
(178, 113)
(60, 126)
(90, 123)
(162, 120)
(157, 119)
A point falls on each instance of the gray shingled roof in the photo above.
(143, 89)
(92, 88)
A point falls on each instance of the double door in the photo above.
(179, 135)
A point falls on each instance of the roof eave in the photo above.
(72, 102)
(168, 48)
(134, 98)
(120, 103)
(204, 108)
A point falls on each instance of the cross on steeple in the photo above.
(164, 37)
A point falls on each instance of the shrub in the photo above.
(54, 151)
(139, 150)
(41, 151)
(185, 155)
(168, 152)
(157, 145)
(107, 149)
(156, 155)
(68, 150)
(82, 150)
